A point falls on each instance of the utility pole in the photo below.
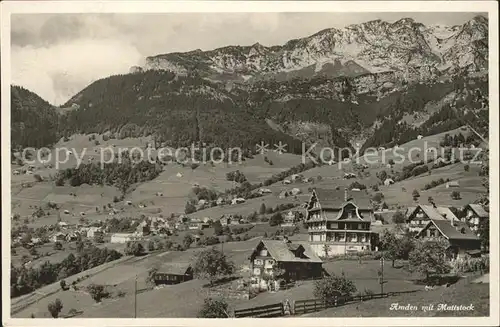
(345, 239)
(135, 297)
(382, 275)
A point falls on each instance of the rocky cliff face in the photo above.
(408, 49)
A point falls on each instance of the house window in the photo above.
(269, 262)
(258, 262)
(256, 271)
(334, 226)
(263, 253)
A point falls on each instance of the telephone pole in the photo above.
(382, 275)
(135, 297)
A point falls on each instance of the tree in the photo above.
(396, 248)
(415, 194)
(262, 209)
(455, 195)
(150, 278)
(97, 292)
(134, 248)
(58, 246)
(217, 226)
(151, 246)
(332, 286)
(430, 199)
(214, 308)
(62, 283)
(484, 233)
(99, 238)
(190, 208)
(398, 217)
(187, 241)
(55, 308)
(276, 219)
(429, 257)
(212, 264)
(466, 168)
(378, 197)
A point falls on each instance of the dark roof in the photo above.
(453, 232)
(174, 268)
(281, 252)
(335, 199)
(479, 210)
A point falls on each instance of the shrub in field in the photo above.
(55, 308)
(97, 292)
(332, 286)
(134, 248)
(62, 283)
(214, 308)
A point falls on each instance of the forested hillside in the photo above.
(34, 122)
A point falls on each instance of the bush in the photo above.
(455, 195)
(62, 283)
(97, 292)
(214, 308)
(55, 308)
(58, 246)
(332, 286)
(134, 248)
(466, 168)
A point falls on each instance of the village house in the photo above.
(452, 184)
(349, 175)
(474, 215)
(91, 231)
(265, 191)
(295, 191)
(461, 239)
(72, 236)
(143, 228)
(58, 237)
(418, 217)
(297, 260)
(388, 181)
(238, 200)
(339, 224)
(290, 219)
(225, 220)
(284, 194)
(173, 273)
(122, 237)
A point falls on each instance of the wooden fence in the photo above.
(313, 305)
(265, 311)
(301, 307)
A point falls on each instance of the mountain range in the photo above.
(336, 87)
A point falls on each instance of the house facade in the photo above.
(122, 237)
(173, 273)
(474, 215)
(418, 217)
(338, 224)
(461, 239)
(297, 261)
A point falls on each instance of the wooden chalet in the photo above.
(462, 240)
(418, 217)
(475, 214)
(173, 273)
(298, 260)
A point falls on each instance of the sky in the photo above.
(57, 55)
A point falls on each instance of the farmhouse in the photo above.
(298, 261)
(475, 214)
(284, 194)
(265, 191)
(238, 201)
(349, 175)
(339, 224)
(388, 181)
(462, 241)
(173, 273)
(290, 219)
(452, 184)
(225, 220)
(418, 217)
(58, 237)
(121, 237)
(295, 191)
(419, 137)
(286, 181)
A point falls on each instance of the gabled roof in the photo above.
(282, 252)
(174, 268)
(479, 210)
(452, 232)
(432, 212)
(335, 199)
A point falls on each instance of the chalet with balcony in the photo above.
(474, 215)
(461, 239)
(339, 224)
(297, 261)
(418, 217)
